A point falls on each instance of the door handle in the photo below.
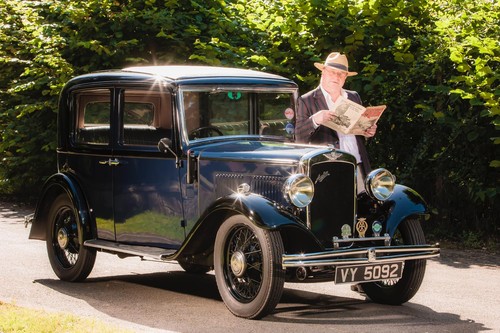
(110, 162)
(114, 162)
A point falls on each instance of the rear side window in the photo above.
(93, 111)
(146, 117)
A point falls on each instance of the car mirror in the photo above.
(164, 145)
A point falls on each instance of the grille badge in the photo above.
(322, 177)
(361, 227)
(333, 155)
(377, 228)
(346, 231)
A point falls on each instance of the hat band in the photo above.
(338, 66)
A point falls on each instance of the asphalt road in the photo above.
(460, 293)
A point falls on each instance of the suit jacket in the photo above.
(310, 103)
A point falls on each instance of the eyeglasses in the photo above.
(334, 72)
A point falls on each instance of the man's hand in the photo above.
(370, 131)
(322, 117)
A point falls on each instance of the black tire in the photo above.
(395, 292)
(248, 271)
(194, 268)
(70, 260)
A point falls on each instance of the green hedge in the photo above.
(433, 62)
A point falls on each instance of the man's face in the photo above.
(332, 80)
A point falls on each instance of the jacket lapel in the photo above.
(319, 100)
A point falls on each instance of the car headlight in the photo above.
(299, 190)
(380, 184)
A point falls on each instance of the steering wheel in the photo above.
(204, 132)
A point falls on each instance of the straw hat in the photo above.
(338, 61)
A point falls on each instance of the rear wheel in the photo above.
(395, 292)
(248, 271)
(70, 260)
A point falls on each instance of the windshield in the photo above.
(210, 113)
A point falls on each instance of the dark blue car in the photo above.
(198, 165)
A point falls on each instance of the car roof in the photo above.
(183, 75)
(177, 72)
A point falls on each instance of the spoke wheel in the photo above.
(69, 259)
(401, 290)
(248, 270)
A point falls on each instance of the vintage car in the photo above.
(198, 165)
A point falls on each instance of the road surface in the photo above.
(460, 293)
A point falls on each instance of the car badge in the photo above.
(346, 231)
(361, 227)
(376, 228)
(322, 177)
(333, 155)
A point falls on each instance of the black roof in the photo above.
(182, 75)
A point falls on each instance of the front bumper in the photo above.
(365, 255)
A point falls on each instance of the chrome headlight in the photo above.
(380, 184)
(299, 190)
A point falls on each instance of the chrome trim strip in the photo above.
(379, 254)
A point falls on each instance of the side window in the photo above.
(276, 113)
(93, 109)
(146, 117)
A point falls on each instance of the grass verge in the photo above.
(18, 319)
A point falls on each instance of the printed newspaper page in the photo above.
(353, 118)
(367, 119)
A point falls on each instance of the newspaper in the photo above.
(353, 118)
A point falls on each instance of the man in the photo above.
(312, 113)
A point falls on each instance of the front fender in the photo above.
(404, 202)
(261, 211)
(258, 209)
(57, 184)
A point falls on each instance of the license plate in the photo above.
(364, 273)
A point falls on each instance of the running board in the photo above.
(156, 253)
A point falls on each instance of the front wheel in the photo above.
(395, 292)
(70, 260)
(248, 271)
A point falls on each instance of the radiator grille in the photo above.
(334, 199)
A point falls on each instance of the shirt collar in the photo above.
(343, 93)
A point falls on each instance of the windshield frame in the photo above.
(182, 90)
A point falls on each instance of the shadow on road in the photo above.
(15, 212)
(182, 302)
(465, 259)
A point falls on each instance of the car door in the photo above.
(91, 154)
(147, 200)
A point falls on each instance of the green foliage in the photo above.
(434, 63)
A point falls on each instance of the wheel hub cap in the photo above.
(62, 238)
(238, 263)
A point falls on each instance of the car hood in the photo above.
(253, 150)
